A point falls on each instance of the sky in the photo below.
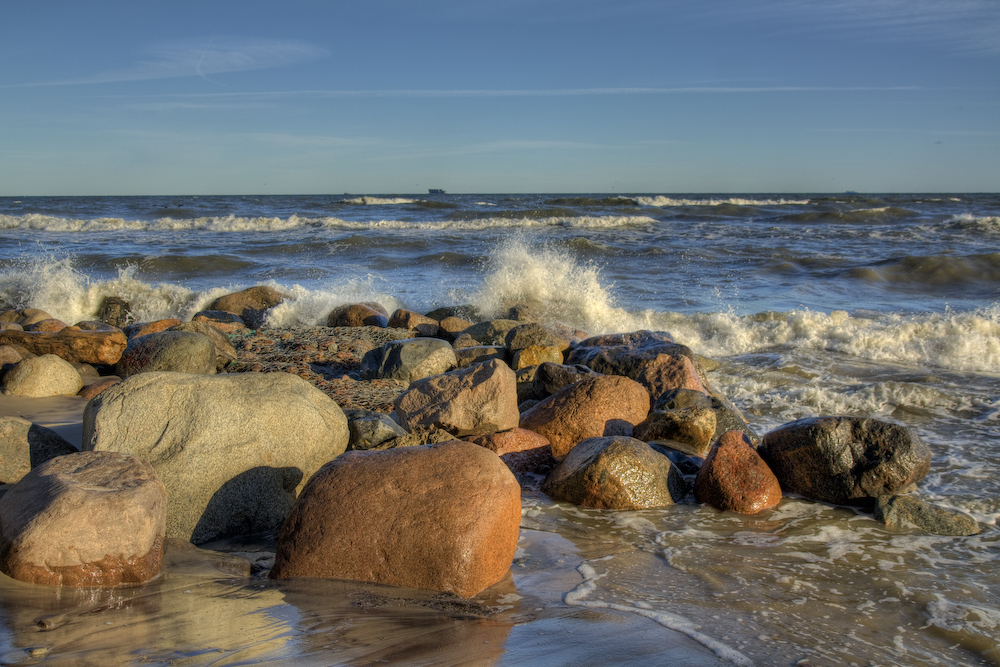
(398, 96)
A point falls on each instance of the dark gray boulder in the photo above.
(908, 512)
(409, 360)
(845, 460)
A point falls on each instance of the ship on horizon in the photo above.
(436, 191)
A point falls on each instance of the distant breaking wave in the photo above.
(660, 202)
(266, 224)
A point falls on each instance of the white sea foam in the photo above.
(662, 202)
(379, 201)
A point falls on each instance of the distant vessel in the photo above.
(435, 191)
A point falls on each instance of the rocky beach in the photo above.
(556, 431)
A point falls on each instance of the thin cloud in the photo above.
(205, 57)
(966, 26)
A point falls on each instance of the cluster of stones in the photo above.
(427, 496)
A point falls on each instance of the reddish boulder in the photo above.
(146, 328)
(451, 326)
(95, 388)
(592, 408)
(522, 450)
(84, 519)
(650, 357)
(439, 517)
(735, 478)
(251, 304)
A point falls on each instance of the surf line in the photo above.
(577, 598)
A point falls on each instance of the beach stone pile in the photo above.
(393, 448)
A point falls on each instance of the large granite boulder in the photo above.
(595, 407)
(491, 332)
(734, 477)
(436, 517)
(231, 449)
(619, 473)
(408, 319)
(526, 335)
(24, 316)
(650, 357)
(85, 519)
(474, 400)
(409, 360)
(845, 460)
(38, 377)
(24, 446)
(250, 304)
(727, 416)
(176, 351)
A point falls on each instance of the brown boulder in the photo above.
(24, 316)
(535, 355)
(24, 445)
(251, 304)
(39, 377)
(592, 408)
(227, 323)
(735, 478)
(90, 347)
(437, 517)
(618, 473)
(85, 519)
(95, 388)
(407, 319)
(520, 449)
(51, 325)
(358, 315)
(478, 399)
(145, 328)
(689, 430)
(451, 326)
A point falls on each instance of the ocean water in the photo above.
(883, 305)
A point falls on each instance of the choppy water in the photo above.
(882, 305)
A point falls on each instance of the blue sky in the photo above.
(397, 96)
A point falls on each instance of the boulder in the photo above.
(85, 519)
(24, 316)
(431, 436)
(466, 356)
(619, 473)
(38, 377)
(9, 354)
(231, 449)
(370, 429)
(176, 351)
(845, 460)
(734, 477)
(491, 332)
(595, 407)
(478, 399)
(688, 430)
(95, 325)
(532, 333)
(115, 311)
(407, 319)
(227, 323)
(551, 377)
(907, 512)
(650, 357)
(727, 416)
(96, 387)
(51, 325)
(408, 360)
(225, 353)
(521, 450)
(358, 315)
(24, 446)
(250, 304)
(138, 329)
(451, 326)
(436, 517)
(89, 347)
(535, 355)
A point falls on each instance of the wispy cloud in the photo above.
(966, 26)
(203, 58)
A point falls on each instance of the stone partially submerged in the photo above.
(845, 460)
(436, 517)
(231, 449)
(618, 473)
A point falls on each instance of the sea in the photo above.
(880, 305)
